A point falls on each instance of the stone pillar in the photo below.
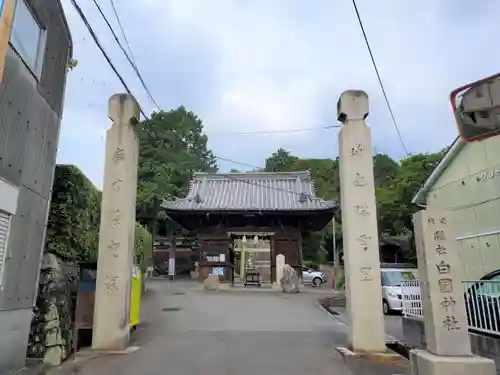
(440, 270)
(359, 226)
(280, 263)
(117, 230)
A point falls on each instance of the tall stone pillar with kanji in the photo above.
(359, 226)
(446, 327)
(117, 230)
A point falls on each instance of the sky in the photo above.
(260, 65)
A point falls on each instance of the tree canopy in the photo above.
(396, 184)
(171, 146)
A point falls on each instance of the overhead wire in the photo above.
(110, 63)
(103, 51)
(389, 107)
(278, 131)
(254, 183)
(129, 58)
(122, 30)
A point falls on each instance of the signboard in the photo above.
(219, 271)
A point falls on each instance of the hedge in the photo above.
(74, 219)
(143, 247)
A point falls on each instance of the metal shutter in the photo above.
(4, 230)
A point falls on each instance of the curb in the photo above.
(397, 346)
(331, 315)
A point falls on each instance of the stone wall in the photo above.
(52, 326)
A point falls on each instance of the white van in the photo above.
(391, 279)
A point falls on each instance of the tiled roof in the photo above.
(254, 191)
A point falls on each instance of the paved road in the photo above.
(228, 333)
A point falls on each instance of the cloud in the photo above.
(262, 65)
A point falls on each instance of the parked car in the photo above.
(482, 301)
(391, 279)
(310, 276)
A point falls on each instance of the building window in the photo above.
(28, 37)
(4, 235)
(9, 195)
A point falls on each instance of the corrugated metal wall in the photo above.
(470, 188)
(30, 115)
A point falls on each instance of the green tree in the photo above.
(396, 184)
(280, 161)
(171, 147)
(324, 173)
(385, 169)
(394, 205)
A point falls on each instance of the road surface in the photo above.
(188, 331)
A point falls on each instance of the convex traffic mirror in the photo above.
(477, 109)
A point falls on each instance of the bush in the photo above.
(73, 225)
(143, 247)
(74, 220)
(310, 264)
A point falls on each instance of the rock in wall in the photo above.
(52, 326)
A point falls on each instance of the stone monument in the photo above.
(290, 280)
(280, 263)
(440, 269)
(117, 230)
(211, 283)
(359, 226)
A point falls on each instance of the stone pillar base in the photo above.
(424, 363)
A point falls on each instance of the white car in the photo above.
(391, 279)
(310, 276)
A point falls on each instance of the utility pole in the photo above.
(336, 260)
(6, 20)
(172, 255)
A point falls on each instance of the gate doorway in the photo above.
(252, 253)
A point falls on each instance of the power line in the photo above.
(104, 53)
(233, 177)
(379, 78)
(132, 63)
(279, 131)
(131, 60)
(110, 63)
(309, 196)
(120, 25)
(237, 162)
(254, 183)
